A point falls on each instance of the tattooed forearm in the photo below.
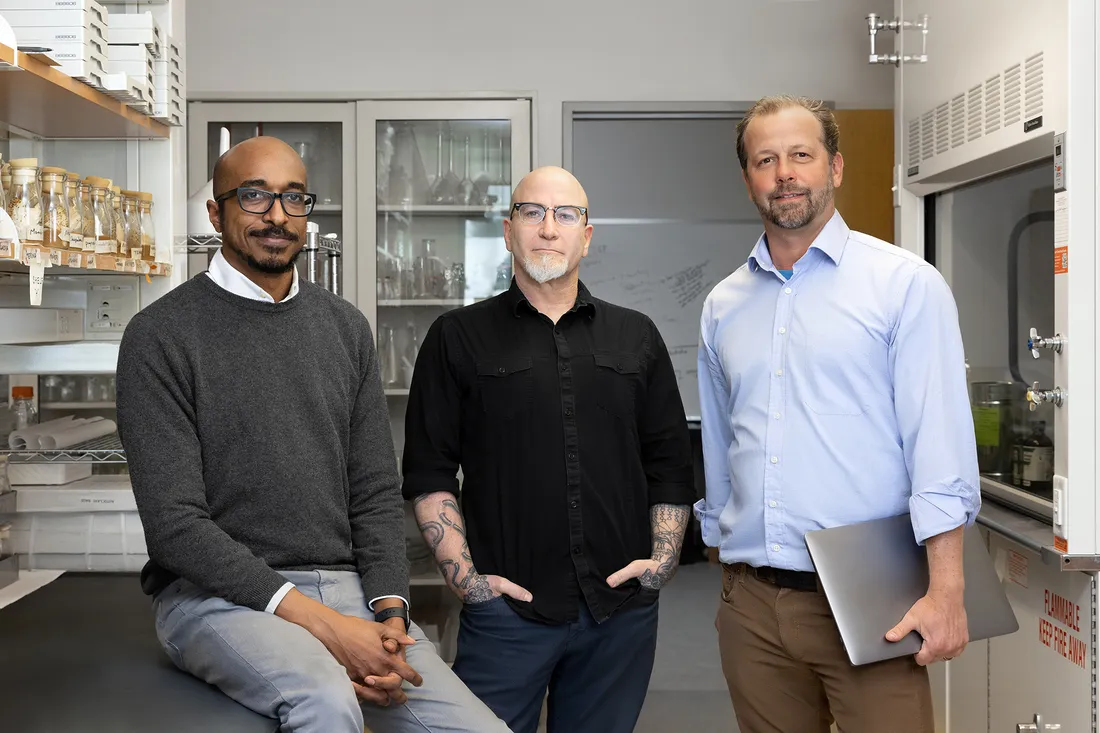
(440, 521)
(668, 522)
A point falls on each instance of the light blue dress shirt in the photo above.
(835, 396)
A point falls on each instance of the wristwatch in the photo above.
(396, 611)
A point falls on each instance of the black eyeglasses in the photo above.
(259, 201)
(567, 216)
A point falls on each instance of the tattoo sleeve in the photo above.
(668, 522)
(440, 521)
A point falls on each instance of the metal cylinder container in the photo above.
(312, 254)
(995, 406)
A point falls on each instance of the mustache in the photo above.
(274, 232)
(782, 191)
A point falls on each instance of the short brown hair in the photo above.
(830, 131)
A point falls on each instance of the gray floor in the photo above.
(687, 691)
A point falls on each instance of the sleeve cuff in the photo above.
(375, 600)
(708, 524)
(415, 485)
(942, 508)
(278, 597)
(676, 494)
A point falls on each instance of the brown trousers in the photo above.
(788, 672)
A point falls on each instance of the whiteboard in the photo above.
(666, 270)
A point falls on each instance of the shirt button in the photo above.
(775, 548)
(572, 456)
(565, 366)
(500, 370)
(777, 416)
(775, 459)
(782, 330)
(787, 291)
(572, 505)
(576, 550)
(773, 503)
(779, 372)
(568, 411)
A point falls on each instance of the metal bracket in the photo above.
(1086, 563)
(876, 24)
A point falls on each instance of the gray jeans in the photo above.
(280, 670)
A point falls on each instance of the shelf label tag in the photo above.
(38, 277)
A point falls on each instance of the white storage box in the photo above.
(91, 71)
(89, 533)
(136, 29)
(48, 36)
(55, 5)
(94, 494)
(47, 474)
(63, 17)
(64, 53)
(132, 68)
(128, 89)
(131, 54)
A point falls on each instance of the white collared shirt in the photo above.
(230, 278)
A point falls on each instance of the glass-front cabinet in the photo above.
(323, 134)
(439, 178)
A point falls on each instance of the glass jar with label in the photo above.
(116, 216)
(25, 200)
(148, 236)
(131, 223)
(76, 211)
(5, 182)
(55, 209)
(1034, 458)
(103, 215)
(87, 215)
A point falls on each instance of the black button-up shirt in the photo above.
(566, 435)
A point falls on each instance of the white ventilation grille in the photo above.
(958, 120)
(1013, 97)
(992, 104)
(974, 113)
(1033, 86)
(927, 135)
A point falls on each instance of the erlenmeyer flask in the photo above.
(484, 179)
(408, 181)
(446, 183)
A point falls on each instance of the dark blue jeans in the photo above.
(598, 674)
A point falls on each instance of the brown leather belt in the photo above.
(793, 579)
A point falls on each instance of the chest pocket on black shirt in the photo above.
(506, 385)
(618, 377)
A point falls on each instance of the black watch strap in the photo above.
(396, 611)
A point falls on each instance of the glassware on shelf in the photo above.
(468, 194)
(484, 179)
(76, 211)
(5, 181)
(120, 224)
(55, 209)
(387, 357)
(131, 223)
(408, 358)
(429, 271)
(22, 406)
(405, 181)
(102, 218)
(445, 187)
(455, 278)
(87, 215)
(25, 200)
(148, 229)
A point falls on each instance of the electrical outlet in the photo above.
(112, 302)
(1059, 502)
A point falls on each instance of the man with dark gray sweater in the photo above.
(261, 459)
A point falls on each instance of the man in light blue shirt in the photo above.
(833, 391)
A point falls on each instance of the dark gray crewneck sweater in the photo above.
(258, 439)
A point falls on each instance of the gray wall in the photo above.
(570, 50)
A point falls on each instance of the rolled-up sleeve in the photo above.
(933, 408)
(433, 420)
(717, 437)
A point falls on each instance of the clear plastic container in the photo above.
(55, 209)
(87, 215)
(25, 200)
(76, 212)
(22, 405)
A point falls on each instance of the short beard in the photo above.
(269, 264)
(548, 267)
(796, 217)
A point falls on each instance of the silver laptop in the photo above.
(873, 572)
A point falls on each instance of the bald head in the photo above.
(238, 164)
(551, 182)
